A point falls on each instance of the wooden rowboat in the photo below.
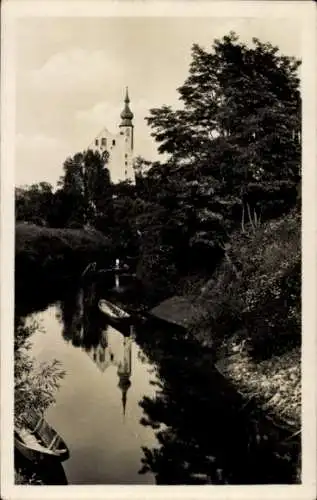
(113, 311)
(40, 442)
(117, 317)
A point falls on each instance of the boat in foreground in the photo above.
(38, 441)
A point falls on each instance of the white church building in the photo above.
(119, 146)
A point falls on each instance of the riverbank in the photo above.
(274, 384)
(210, 414)
(247, 318)
(249, 315)
(43, 253)
(253, 316)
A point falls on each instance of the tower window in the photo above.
(96, 142)
(125, 172)
(126, 155)
(104, 141)
(126, 163)
(113, 142)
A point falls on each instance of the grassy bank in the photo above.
(47, 253)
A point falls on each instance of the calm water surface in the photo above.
(103, 437)
(149, 407)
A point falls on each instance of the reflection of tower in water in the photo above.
(88, 329)
(101, 354)
(114, 349)
(72, 311)
(124, 371)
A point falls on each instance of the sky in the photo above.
(71, 75)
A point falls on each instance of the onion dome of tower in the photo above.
(126, 115)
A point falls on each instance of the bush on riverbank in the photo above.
(35, 384)
(256, 290)
(251, 309)
(47, 253)
(35, 387)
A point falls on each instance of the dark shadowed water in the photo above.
(147, 408)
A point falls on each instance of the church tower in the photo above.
(119, 146)
(124, 371)
(127, 132)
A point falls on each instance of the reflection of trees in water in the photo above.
(71, 311)
(203, 435)
(35, 298)
(83, 324)
(142, 357)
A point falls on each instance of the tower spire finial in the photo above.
(126, 115)
(124, 372)
(124, 402)
(124, 384)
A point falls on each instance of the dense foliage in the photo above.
(34, 384)
(34, 203)
(256, 290)
(238, 132)
(234, 152)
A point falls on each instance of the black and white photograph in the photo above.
(153, 186)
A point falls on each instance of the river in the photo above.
(145, 408)
(103, 432)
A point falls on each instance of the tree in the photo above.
(140, 166)
(86, 184)
(240, 123)
(34, 203)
